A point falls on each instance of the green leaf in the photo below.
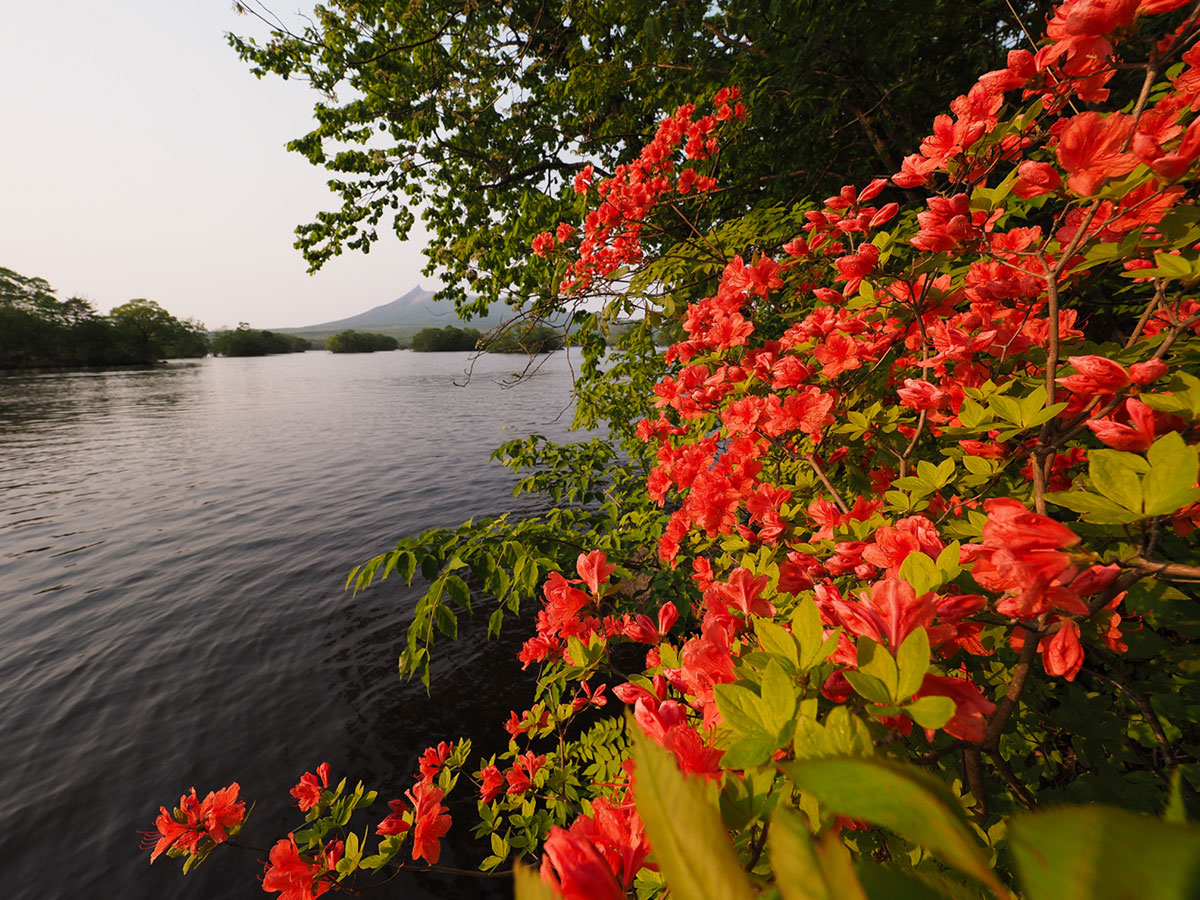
(947, 562)
(972, 415)
(838, 868)
(1175, 811)
(808, 871)
(886, 882)
(1102, 853)
(499, 845)
(776, 639)
(876, 661)
(1183, 398)
(977, 465)
(1173, 470)
(912, 659)
(1113, 477)
(778, 698)
(1173, 266)
(790, 849)
(809, 739)
(846, 734)
(921, 572)
(1007, 408)
(691, 845)
(747, 751)
(528, 884)
(742, 709)
(869, 687)
(458, 591)
(1094, 508)
(1032, 405)
(807, 629)
(447, 622)
(931, 712)
(901, 798)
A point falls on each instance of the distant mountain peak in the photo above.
(417, 307)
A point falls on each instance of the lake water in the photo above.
(173, 548)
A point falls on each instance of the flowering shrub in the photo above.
(927, 490)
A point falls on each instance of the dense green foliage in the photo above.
(449, 337)
(360, 342)
(483, 113)
(38, 329)
(247, 341)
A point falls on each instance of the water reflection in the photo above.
(173, 546)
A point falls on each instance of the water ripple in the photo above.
(173, 546)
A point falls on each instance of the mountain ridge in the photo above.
(415, 309)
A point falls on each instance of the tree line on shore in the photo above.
(37, 329)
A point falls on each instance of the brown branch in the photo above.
(1016, 686)
(1160, 290)
(973, 766)
(1106, 596)
(877, 143)
(912, 444)
(734, 42)
(837, 498)
(1164, 570)
(1011, 779)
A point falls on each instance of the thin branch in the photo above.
(1016, 686)
(973, 766)
(1165, 570)
(837, 498)
(1160, 290)
(1011, 779)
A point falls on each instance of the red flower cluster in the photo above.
(295, 877)
(308, 791)
(612, 231)
(194, 820)
(427, 819)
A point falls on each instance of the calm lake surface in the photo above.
(173, 548)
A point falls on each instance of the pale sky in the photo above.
(140, 158)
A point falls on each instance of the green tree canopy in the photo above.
(39, 329)
(447, 338)
(247, 341)
(360, 342)
(149, 332)
(481, 114)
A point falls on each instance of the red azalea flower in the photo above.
(576, 870)
(971, 708)
(433, 759)
(308, 791)
(430, 821)
(594, 569)
(291, 874)
(1089, 149)
(221, 810)
(1062, 653)
(171, 833)
(394, 823)
(493, 783)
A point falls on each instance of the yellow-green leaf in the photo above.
(528, 885)
(1102, 853)
(901, 798)
(691, 845)
(790, 849)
